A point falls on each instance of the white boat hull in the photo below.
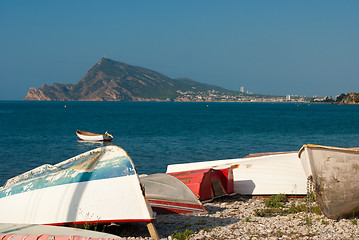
(263, 175)
(88, 192)
(87, 136)
(335, 178)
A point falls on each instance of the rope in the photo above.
(309, 195)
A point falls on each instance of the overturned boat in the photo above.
(168, 195)
(207, 184)
(45, 232)
(88, 136)
(258, 174)
(99, 186)
(335, 177)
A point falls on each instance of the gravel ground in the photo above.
(239, 217)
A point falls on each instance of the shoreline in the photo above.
(180, 101)
(238, 217)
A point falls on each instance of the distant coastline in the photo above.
(343, 99)
(109, 80)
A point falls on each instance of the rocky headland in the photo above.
(110, 80)
(350, 98)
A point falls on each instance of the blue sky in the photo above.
(269, 47)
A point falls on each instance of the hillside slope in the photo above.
(350, 98)
(110, 80)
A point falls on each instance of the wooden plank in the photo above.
(153, 232)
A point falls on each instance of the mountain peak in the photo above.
(110, 80)
(106, 60)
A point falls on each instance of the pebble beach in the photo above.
(240, 217)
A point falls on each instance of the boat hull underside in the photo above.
(97, 201)
(264, 175)
(94, 138)
(335, 177)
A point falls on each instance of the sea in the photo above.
(156, 134)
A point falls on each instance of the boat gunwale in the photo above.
(265, 154)
(88, 133)
(353, 150)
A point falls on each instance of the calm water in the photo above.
(158, 134)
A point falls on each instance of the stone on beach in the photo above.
(234, 217)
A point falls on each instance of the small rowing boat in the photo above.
(168, 195)
(44, 232)
(258, 174)
(207, 184)
(96, 187)
(335, 177)
(88, 136)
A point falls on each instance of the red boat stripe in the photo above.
(177, 205)
(178, 208)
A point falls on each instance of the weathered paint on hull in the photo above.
(262, 175)
(98, 186)
(335, 176)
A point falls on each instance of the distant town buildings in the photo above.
(241, 89)
(216, 96)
